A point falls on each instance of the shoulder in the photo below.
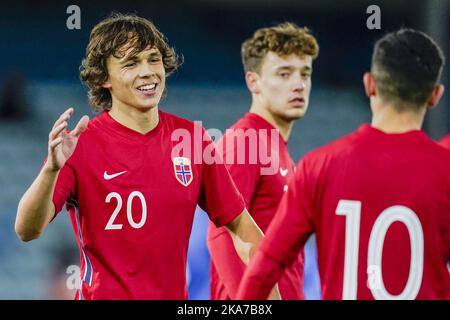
(249, 127)
(175, 122)
(445, 142)
(91, 131)
(243, 123)
(335, 148)
(316, 163)
(94, 123)
(251, 121)
(441, 149)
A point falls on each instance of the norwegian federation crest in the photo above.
(183, 170)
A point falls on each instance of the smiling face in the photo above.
(136, 80)
(283, 85)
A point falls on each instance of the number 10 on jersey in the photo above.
(351, 209)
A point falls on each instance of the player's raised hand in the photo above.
(61, 143)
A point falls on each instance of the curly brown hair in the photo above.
(109, 37)
(283, 39)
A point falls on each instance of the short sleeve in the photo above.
(294, 221)
(445, 142)
(65, 186)
(219, 196)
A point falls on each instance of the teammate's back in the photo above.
(391, 217)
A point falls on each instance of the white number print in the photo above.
(110, 225)
(351, 209)
(118, 226)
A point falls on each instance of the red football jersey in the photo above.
(380, 207)
(132, 203)
(445, 141)
(262, 194)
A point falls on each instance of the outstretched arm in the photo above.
(35, 209)
(246, 237)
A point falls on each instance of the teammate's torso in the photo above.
(262, 190)
(382, 206)
(276, 167)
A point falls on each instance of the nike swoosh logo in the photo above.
(107, 176)
(283, 172)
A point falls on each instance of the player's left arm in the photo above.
(246, 236)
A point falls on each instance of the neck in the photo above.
(387, 119)
(135, 119)
(285, 127)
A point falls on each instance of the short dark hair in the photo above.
(108, 38)
(283, 39)
(407, 65)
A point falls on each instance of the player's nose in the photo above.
(145, 70)
(299, 84)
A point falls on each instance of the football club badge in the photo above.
(183, 170)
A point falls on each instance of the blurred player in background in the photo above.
(131, 199)
(278, 67)
(377, 199)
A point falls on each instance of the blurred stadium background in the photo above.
(39, 59)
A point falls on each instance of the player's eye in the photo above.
(130, 64)
(284, 74)
(155, 60)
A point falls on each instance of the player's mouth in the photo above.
(148, 89)
(297, 102)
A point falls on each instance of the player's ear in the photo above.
(251, 79)
(436, 95)
(369, 84)
(106, 84)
